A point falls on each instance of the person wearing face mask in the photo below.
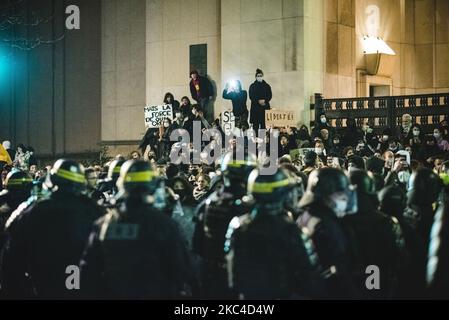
(320, 151)
(322, 123)
(400, 173)
(442, 144)
(383, 144)
(260, 95)
(328, 198)
(362, 149)
(417, 139)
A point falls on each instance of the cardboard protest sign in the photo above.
(155, 114)
(227, 121)
(280, 118)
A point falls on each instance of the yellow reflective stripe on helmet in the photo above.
(72, 176)
(116, 169)
(143, 176)
(268, 187)
(445, 178)
(15, 182)
(239, 163)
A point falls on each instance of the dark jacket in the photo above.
(43, 240)
(332, 248)
(136, 252)
(238, 101)
(206, 89)
(258, 91)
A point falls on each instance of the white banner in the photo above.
(155, 114)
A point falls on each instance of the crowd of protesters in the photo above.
(144, 227)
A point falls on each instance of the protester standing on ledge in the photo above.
(202, 92)
(233, 91)
(260, 96)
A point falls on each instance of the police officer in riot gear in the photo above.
(423, 201)
(136, 251)
(17, 190)
(107, 188)
(392, 202)
(437, 277)
(212, 221)
(374, 239)
(328, 197)
(48, 236)
(268, 257)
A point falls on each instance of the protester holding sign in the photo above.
(233, 91)
(260, 96)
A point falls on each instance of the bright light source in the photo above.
(233, 84)
(376, 45)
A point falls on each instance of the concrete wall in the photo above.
(50, 98)
(123, 69)
(284, 39)
(172, 26)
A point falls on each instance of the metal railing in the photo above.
(428, 110)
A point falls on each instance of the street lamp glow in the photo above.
(376, 45)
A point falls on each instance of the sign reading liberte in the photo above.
(155, 114)
(279, 118)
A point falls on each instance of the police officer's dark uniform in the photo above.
(107, 188)
(17, 190)
(136, 251)
(48, 236)
(212, 221)
(267, 255)
(438, 261)
(375, 240)
(320, 220)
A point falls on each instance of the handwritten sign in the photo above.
(279, 118)
(227, 121)
(155, 114)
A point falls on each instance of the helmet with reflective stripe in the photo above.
(67, 175)
(269, 188)
(18, 180)
(237, 166)
(114, 169)
(137, 176)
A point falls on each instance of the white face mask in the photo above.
(403, 176)
(436, 135)
(323, 120)
(385, 138)
(166, 125)
(178, 115)
(319, 151)
(416, 133)
(259, 78)
(340, 207)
